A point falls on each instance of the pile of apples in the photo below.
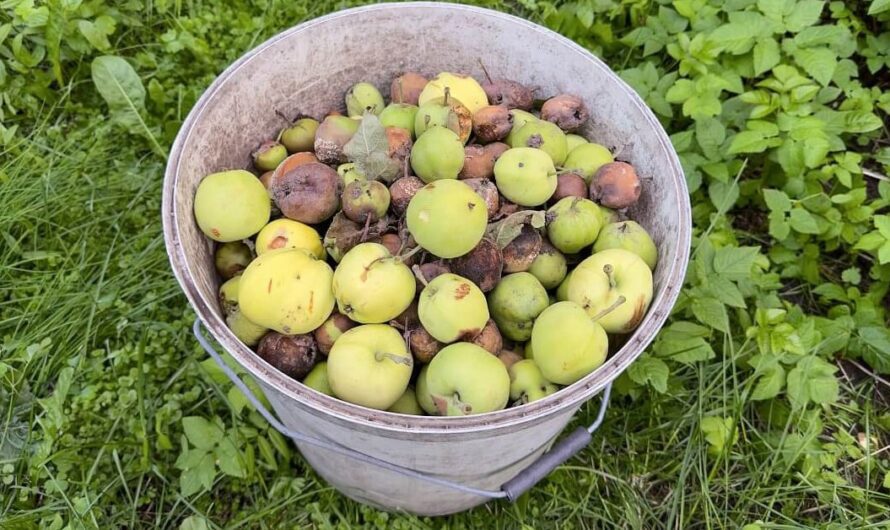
(475, 253)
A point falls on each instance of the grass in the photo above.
(97, 367)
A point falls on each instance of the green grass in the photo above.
(98, 366)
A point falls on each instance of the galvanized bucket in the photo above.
(423, 465)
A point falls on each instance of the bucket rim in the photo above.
(570, 396)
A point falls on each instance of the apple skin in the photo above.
(317, 379)
(527, 383)
(515, 302)
(587, 158)
(407, 404)
(287, 233)
(573, 223)
(566, 344)
(597, 291)
(287, 290)
(371, 286)
(370, 366)
(628, 235)
(465, 379)
(562, 292)
(422, 392)
(451, 307)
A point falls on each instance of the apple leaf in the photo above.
(508, 229)
(369, 150)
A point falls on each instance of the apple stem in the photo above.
(447, 95)
(419, 275)
(404, 257)
(401, 94)
(607, 268)
(398, 359)
(620, 300)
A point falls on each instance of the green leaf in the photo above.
(820, 63)
(121, 88)
(97, 32)
(726, 291)
(734, 263)
(200, 432)
(882, 223)
(711, 312)
(508, 229)
(778, 225)
(228, 458)
(685, 351)
(369, 150)
(723, 195)
(749, 142)
(769, 384)
(852, 275)
(719, 434)
(884, 253)
(861, 122)
(876, 7)
(776, 200)
(766, 55)
(199, 477)
(805, 13)
(650, 370)
(803, 222)
(871, 241)
(734, 38)
(194, 522)
(812, 380)
(886, 482)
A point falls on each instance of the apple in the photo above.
(407, 404)
(317, 379)
(287, 290)
(452, 307)
(527, 384)
(566, 344)
(465, 379)
(628, 235)
(287, 233)
(371, 286)
(369, 365)
(422, 392)
(614, 287)
(515, 302)
(245, 330)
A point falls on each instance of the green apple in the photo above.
(628, 235)
(614, 287)
(452, 307)
(317, 379)
(370, 366)
(573, 223)
(399, 115)
(407, 404)
(567, 344)
(520, 118)
(245, 330)
(515, 302)
(447, 218)
(527, 384)
(549, 266)
(460, 87)
(562, 292)
(586, 159)
(422, 392)
(525, 176)
(543, 135)
(287, 290)
(371, 286)
(465, 379)
(573, 141)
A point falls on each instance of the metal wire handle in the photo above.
(512, 489)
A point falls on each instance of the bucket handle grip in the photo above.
(512, 489)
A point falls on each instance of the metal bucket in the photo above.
(424, 465)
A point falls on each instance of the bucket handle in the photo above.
(566, 448)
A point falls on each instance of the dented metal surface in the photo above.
(307, 69)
